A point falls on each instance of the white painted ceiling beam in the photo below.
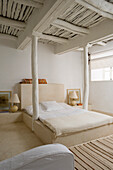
(55, 12)
(101, 5)
(111, 1)
(11, 22)
(29, 3)
(70, 27)
(96, 34)
(24, 44)
(6, 36)
(50, 37)
(101, 43)
(95, 9)
(40, 20)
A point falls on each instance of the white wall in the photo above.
(16, 65)
(101, 92)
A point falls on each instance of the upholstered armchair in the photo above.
(47, 157)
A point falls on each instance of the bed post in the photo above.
(35, 97)
(86, 79)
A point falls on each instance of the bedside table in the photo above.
(10, 117)
(81, 107)
(76, 106)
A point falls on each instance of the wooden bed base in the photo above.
(47, 136)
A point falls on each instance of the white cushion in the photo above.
(29, 110)
(51, 106)
(47, 157)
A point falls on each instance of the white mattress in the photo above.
(71, 120)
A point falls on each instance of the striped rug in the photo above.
(96, 154)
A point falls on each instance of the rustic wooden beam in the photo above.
(101, 43)
(24, 43)
(58, 9)
(97, 33)
(86, 79)
(95, 9)
(35, 91)
(50, 37)
(70, 27)
(101, 5)
(40, 20)
(29, 3)
(13, 23)
(6, 36)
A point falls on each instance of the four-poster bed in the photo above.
(45, 131)
(55, 92)
(35, 91)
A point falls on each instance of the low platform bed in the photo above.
(54, 130)
(48, 136)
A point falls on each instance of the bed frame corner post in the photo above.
(35, 90)
(86, 79)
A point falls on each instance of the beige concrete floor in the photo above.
(16, 138)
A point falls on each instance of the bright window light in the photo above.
(102, 66)
(102, 74)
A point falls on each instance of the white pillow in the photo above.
(29, 110)
(51, 106)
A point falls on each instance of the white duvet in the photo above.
(72, 120)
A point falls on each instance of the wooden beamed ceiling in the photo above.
(53, 21)
(10, 22)
(14, 15)
(101, 32)
(30, 3)
(70, 27)
(101, 7)
(51, 38)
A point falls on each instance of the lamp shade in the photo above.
(14, 99)
(73, 95)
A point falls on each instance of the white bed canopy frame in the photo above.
(35, 89)
(35, 93)
(55, 13)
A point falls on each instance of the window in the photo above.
(102, 66)
(102, 74)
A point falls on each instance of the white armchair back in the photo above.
(47, 157)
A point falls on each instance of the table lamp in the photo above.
(14, 99)
(73, 96)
